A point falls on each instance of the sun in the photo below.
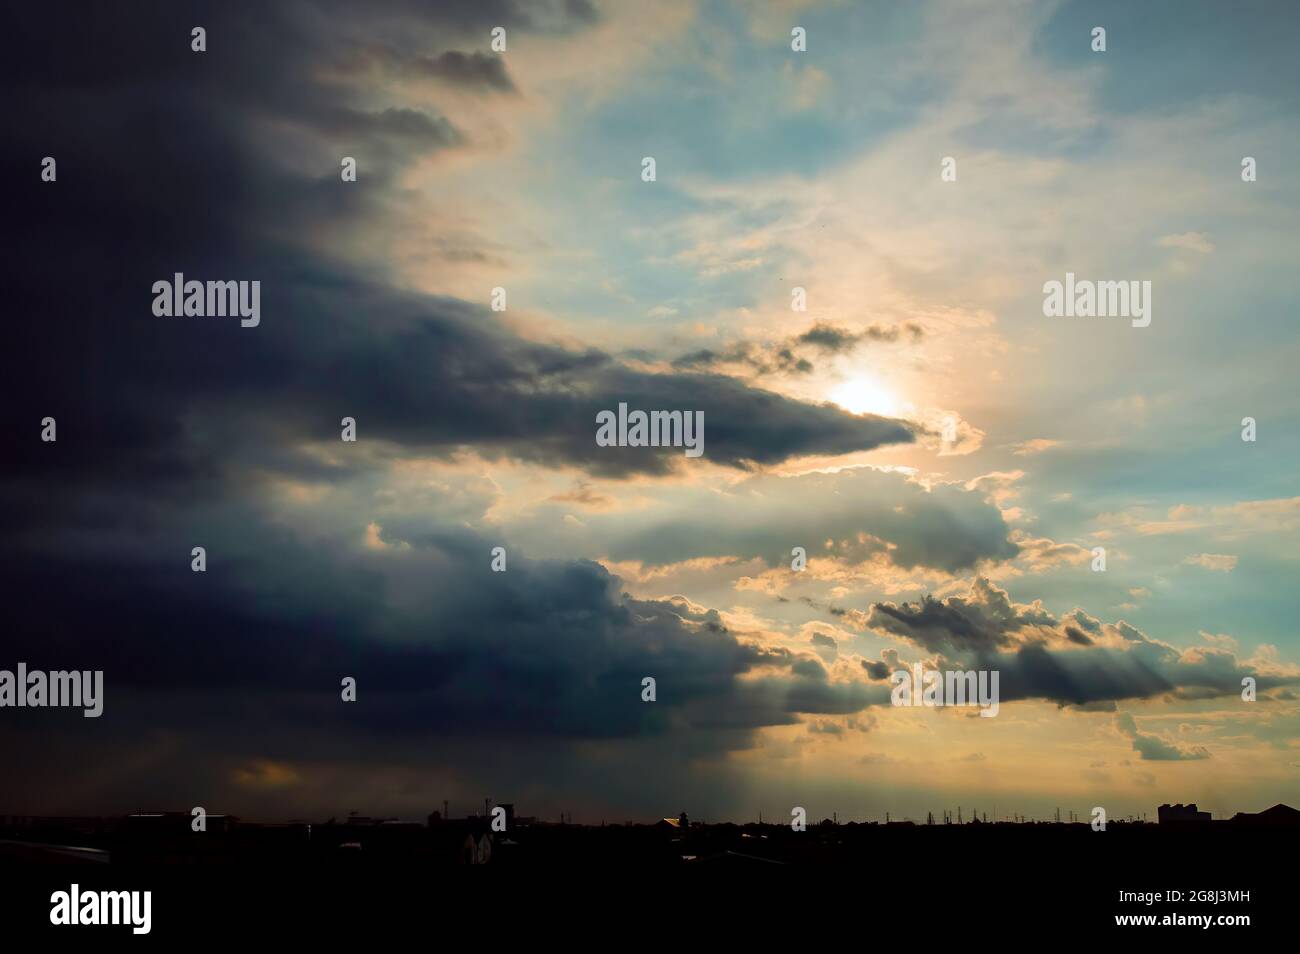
(864, 395)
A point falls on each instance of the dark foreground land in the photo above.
(984, 881)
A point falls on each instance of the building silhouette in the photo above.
(1181, 814)
(1279, 816)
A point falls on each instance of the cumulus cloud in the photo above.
(825, 646)
(876, 670)
(1152, 748)
(861, 513)
(1071, 660)
(1040, 554)
(982, 621)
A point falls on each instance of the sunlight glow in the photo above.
(864, 395)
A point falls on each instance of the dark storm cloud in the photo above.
(437, 641)
(225, 165)
(452, 661)
(473, 72)
(468, 70)
(413, 126)
(465, 17)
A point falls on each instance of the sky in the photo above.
(948, 457)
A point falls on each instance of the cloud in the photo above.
(787, 356)
(825, 727)
(807, 87)
(756, 358)
(837, 340)
(328, 559)
(549, 654)
(1190, 241)
(1252, 517)
(1035, 446)
(451, 376)
(876, 670)
(1040, 554)
(1218, 562)
(862, 514)
(182, 432)
(1000, 486)
(982, 621)
(586, 496)
(1152, 748)
(263, 773)
(1071, 660)
(472, 70)
(825, 646)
